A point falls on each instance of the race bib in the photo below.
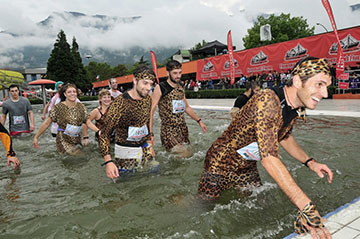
(178, 106)
(123, 152)
(250, 152)
(137, 133)
(54, 128)
(72, 130)
(19, 119)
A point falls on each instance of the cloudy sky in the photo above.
(163, 22)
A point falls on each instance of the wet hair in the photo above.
(308, 67)
(13, 86)
(102, 93)
(64, 88)
(143, 72)
(251, 84)
(172, 65)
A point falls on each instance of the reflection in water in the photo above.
(58, 196)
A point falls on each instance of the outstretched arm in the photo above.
(32, 122)
(193, 115)
(293, 148)
(155, 98)
(287, 184)
(41, 130)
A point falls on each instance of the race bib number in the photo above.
(178, 106)
(19, 119)
(72, 130)
(137, 133)
(250, 152)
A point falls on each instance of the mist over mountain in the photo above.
(36, 55)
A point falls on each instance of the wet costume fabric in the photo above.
(66, 116)
(129, 119)
(173, 126)
(265, 119)
(6, 141)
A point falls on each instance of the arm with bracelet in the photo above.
(293, 149)
(190, 112)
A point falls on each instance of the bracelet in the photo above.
(109, 161)
(307, 161)
(307, 217)
(198, 121)
(85, 137)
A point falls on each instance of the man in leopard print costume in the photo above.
(256, 132)
(129, 116)
(170, 96)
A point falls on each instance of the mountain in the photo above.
(36, 55)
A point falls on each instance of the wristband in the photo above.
(307, 161)
(85, 137)
(198, 121)
(151, 134)
(109, 161)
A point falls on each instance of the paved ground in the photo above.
(349, 108)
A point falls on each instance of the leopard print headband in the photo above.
(145, 75)
(311, 67)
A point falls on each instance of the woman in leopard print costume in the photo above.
(69, 115)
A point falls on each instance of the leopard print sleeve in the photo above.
(268, 121)
(111, 120)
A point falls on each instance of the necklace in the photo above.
(288, 98)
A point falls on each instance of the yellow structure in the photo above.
(10, 77)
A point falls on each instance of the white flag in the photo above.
(265, 33)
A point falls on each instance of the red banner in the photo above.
(231, 58)
(343, 76)
(343, 85)
(283, 56)
(154, 64)
(340, 62)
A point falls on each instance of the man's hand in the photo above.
(112, 171)
(32, 127)
(321, 169)
(15, 161)
(322, 233)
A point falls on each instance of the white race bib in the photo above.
(250, 152)
(19, 119)
(54, 128)
(178, 106)
(137, 133)
(72, 130)
(123, 152)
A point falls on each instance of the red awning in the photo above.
(42, 82)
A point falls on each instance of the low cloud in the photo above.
(177, 23)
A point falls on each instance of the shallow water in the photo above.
(55, 196)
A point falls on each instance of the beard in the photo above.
(142, 94)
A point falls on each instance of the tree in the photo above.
(94, 69)
(79, 72)
(119, 70)
(61, 62)
(199, 45)
(283, 28)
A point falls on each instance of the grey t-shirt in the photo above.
(18, 114)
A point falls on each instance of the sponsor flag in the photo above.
(231, 58)
(340, 61)
(154, 64)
